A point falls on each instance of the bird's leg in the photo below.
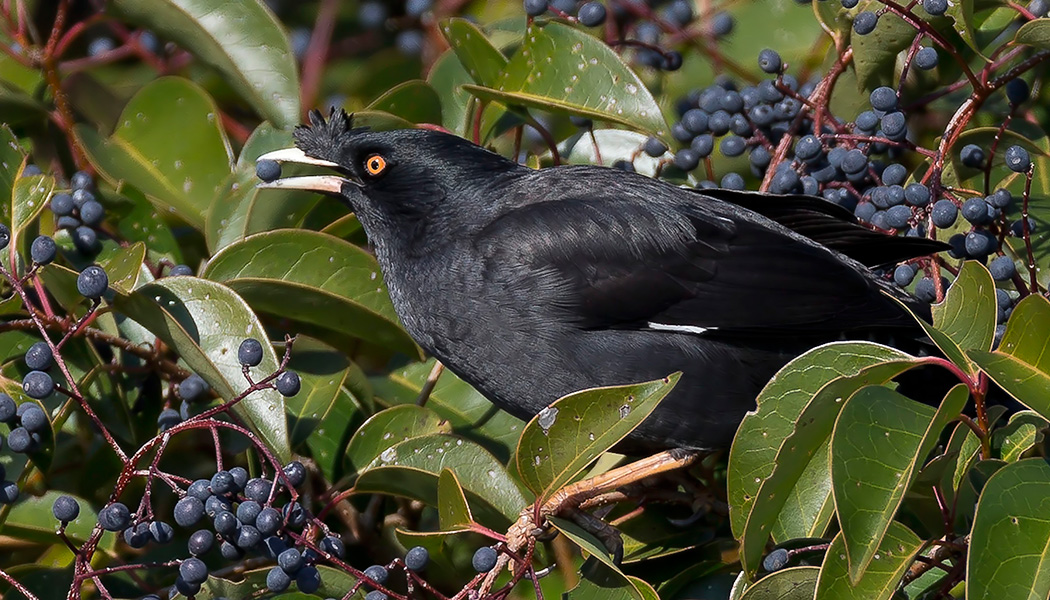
(533, 520)
(608, 535)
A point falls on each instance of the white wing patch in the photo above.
(681, 328)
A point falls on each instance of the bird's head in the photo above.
(397, 182)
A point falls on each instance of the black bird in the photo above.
(531, 284)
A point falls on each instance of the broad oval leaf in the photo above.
(179, 178)
(314, 278)
(783, 399)
(205, 323)
(453, 510)
(31, 519)
(28, 199)
(334, 582)
(811, 430)
(1021, 365)
(880, 441)
(795, 583)
(1008, 546)
(1024, 430)
(240, 38)
(561, 68)
(412, 468)
(560, 441)
(602, 582)
(1035, 33)
(482, 61)
(124, 267)
(388, 428)
(894, 553)
(875, 54)
(415, 101)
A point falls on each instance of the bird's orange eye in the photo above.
(375, 165)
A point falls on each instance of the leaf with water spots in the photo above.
(28, 199)
(313, 278)
(240, 38)
(389, 427)
(124, 267)
(205, 322)
(181, 178)
(1024, 430)
(795, 583)
(482, 61)
(563, 69)
(415, 101)
(453, 510)
(560, 441)
(893, 555)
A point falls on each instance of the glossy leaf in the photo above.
(240, 38)
(11, 158)
(796, 583)
(446, 78)
(415, 101)
(314, 278)
(388, 428)
(482, 61)
(453, 510)
(1021, 365)
(874, 54)
(1024, 430)
(962, 19)
(763, 431)
(892, 556)
(179, 178)
(205, 323)
(563, 69)
(31, 519)
(812, 428)
(334, 582)
(880, 441)
(28, 198)
(241, 209)
(1008, 547)
(470, 414)
(124, 267)
(601, 582)
(1035, 33)
(966, 319)
(559, 442)
(412, 468)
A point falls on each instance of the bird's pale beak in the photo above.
(331, 184)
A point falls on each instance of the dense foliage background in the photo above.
(333, 458)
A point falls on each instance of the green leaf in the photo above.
(875, 54)
(961, 15)
(124, 267)
(563, 69)
(446, 78)
(966, 319)
(388, 428)
(470, 414)
(11, 159)
(205, 323)
(1035, 33)
(31, 520)
(809, 508)
(879, 444)
(894, 554)
(601, 582)
(453, 510)
(28, 198)
(811, 430)
(334, 582)
(179, 178)
(482, 61)
(1023, 431)
(1021, 365)
(412, 468)
(241, 209)
(138, 221)
(415, 101)
(1009, 552)
(560, 441)
(796, 583)
(239, 38)
(783, 399)
(313, 278)
(321, 414)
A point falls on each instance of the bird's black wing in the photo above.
(618, 262)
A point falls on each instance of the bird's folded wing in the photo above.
(610, 263)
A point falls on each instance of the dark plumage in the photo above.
(533, 284)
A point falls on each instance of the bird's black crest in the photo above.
(324, 139)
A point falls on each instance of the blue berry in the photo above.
(1017, 227)
(39, 357)
(1000, 198)
(33, 418)
(188, 510)
(903, 274)
(695, 120)
(732, 181)
(733, 145)
(484, 559)
(137, 536)
(417, 558)
(225, 522)
(193, 388)
(854, 162)
(257, 489)
(979, 244)
(38, 384)
(62, 205)
(895, 126)
(248, 511)
(114, 517)
(8, 492)
(865, 22)
(775, 560)
(295, 472)
(288, 383)
(85, 240)
(894, 174)
(867, 121)
(43, 250)
(883, 98)
(82, 196)
(193, 570)
(333, 545)
(291, 560)
(926, 58)
(199, 489)
(944, 213)
(180, 270)
(769, 61)
(410, 42)
(1002, 268)
(81, 180)
(92, 212)
(972, 156)
(222, 483)
(308, 579)
(722, 24)
(277, 580)
(230, 551)
(1017, 159)
(935, 7)
(917, 194)
(591, 14)
(654, 147)
(161, 532)
(249, 537)
(377, 573)
(372, 15)
(65, 508)
(268, 521)
(92, 282)
(1017, 90)
(808, 148)
(703, 145)
(897, 217)
(686, 159)
(8, 409)
(848, 4)
(975, 210)
(250, 352)
(268, 170)
(200, 542)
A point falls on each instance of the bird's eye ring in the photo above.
(375, 165)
